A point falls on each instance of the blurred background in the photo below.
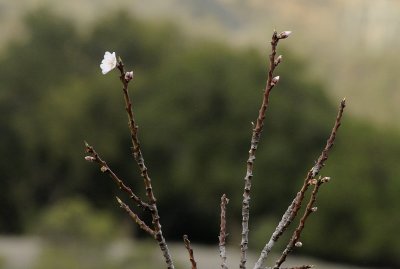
(200, 67)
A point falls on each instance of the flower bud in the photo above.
(275, 81)
(314, 209)
(298, 244)
(103, 169)
(129, 76)
(90, 158)
(278, 60)
(284, 34)
(325, 179)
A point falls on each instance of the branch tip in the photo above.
(190, 251)
(324, 179)
(272, 80)
(284, 34)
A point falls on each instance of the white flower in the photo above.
(108, 63)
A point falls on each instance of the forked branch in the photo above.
(110, 62)
(95, 157)
(136, 218)
(295, 206)
(294, 241)
(125, 78)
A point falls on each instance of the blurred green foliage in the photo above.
(75, 235)
(194, 101)
(72, 220)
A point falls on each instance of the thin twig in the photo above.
(295, 206)
(331, 141)
(296, 234)
(222, 233)
(95, 157)
(255, 139)
(138, 156)
(190, 251)
(136, 218)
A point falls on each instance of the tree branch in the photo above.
(136, 218)
(296, 234)
(190, 251)
(222, 233)
(138, 156)
(255, 139)
(95, 157)
(295, 206)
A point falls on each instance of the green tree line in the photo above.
(194, 100)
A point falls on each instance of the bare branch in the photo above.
(255, 139)
(331, 141)
(95, 157)
(136, 218)
(283, 224)
(296, 234)
(222, 233)
(295, 206)
(190, 250)
(138, 156)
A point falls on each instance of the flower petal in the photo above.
(108, 63)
